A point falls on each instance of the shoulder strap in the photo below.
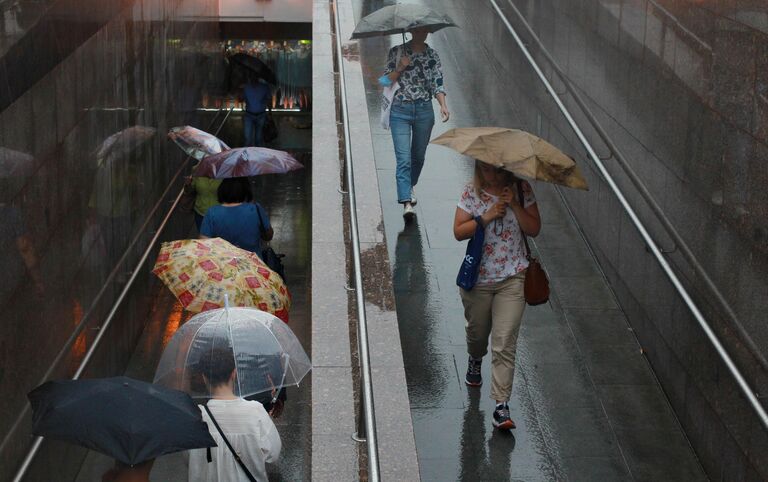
(261, 221)
(521, 199)
(231, 449)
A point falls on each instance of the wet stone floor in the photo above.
(585, 401)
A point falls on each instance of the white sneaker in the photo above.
(413, 198)
(408, 212)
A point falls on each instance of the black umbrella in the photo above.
(400, 18)
(256, 66)
(128, 420)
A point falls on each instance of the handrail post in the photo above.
(360, 435)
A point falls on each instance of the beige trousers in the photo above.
(495, 310)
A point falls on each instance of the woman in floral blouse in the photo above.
(495, 304)
(420, 76)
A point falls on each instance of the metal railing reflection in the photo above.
(118, 302)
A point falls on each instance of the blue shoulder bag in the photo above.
(470, 266)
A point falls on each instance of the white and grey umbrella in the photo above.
(401, 18)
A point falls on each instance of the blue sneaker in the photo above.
(473, 377)
(501, 418)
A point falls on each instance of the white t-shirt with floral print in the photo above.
(504, 253)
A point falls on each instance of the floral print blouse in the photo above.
(504, 253)
(422, 79)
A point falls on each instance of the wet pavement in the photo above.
(287, 200)
(585, 401)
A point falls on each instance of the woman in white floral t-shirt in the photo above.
(494, 307)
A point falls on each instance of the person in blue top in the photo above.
(237, 219)
(257, 96)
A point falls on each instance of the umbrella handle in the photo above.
(275, 391)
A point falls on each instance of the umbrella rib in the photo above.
(234, 356)
(281, 348)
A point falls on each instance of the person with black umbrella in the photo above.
(131, 421)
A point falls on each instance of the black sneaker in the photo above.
(473, 378)
(501, 418)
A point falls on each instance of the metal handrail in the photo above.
(21, 472)
(648, 197)
(654, 248)
(362, 324)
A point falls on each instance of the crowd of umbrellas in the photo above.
(242, 307)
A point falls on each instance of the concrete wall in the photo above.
(682, 89)
(72, 74)
(267, 11)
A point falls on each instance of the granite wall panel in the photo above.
(681, 87)
(88, 90)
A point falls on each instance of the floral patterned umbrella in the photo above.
(199, 272)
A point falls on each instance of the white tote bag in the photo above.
(388, 95)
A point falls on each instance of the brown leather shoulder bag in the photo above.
(536, 282)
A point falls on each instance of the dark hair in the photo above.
(217, 366)
(234, 190)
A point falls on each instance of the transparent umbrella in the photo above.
(122, 143)
(262, 350)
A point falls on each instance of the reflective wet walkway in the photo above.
(585, 401)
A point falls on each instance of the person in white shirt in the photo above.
(246, 424)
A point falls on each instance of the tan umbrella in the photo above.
(516, 151)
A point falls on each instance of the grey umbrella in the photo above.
(400, 18)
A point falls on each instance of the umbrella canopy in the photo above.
(196, 143)
(256, 66)
(128, 420)
(122, 143)
(516, 151)
(262, 350)
(400, 18)
(246, 161)
(200, 272)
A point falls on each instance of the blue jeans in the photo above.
(253, 128)
(411, 125)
